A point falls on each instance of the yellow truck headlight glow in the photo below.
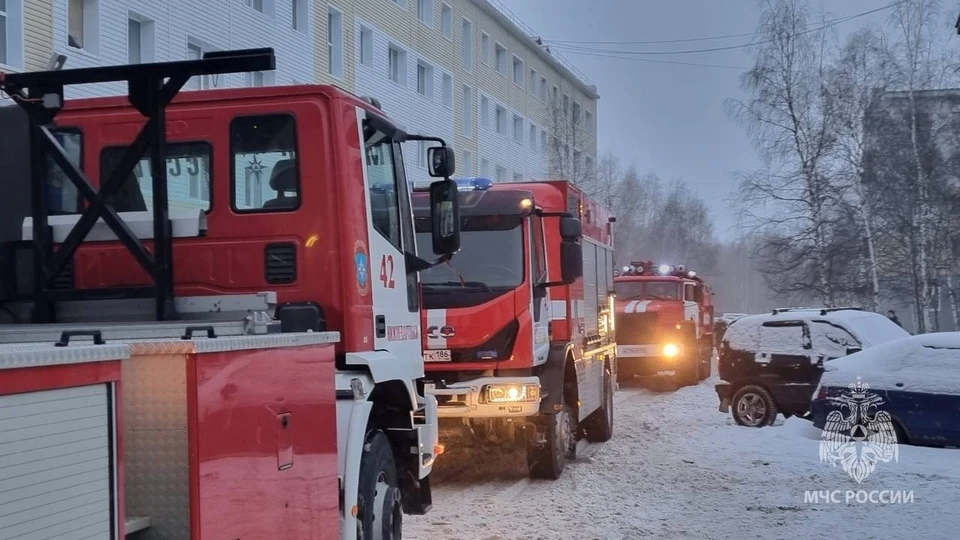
(670, 350)
(512, 393)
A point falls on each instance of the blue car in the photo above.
(905, 391)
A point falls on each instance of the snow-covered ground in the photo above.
(678, 468)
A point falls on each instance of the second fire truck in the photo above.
(519, 330)
(664, 322)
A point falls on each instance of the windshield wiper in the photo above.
(466, 284)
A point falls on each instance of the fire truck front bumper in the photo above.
(651, 357)
(487, 397)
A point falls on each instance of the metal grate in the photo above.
(636, 328)
(280, 263)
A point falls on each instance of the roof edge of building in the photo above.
(502, 18)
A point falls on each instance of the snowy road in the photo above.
(678, 468)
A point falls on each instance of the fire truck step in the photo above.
(137, 523)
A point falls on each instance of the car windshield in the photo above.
(490, 256)
(648, 290)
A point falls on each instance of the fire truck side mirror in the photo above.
(443, 162)
(571, 261)
(445, 217)
(571, 228)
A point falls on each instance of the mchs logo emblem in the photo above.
(858, 436)
(436, 332)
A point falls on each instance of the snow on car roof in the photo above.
(869, 328)
(924, 363)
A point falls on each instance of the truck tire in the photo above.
(687, 373)
(706, 361)
(598, 427)
(753, 406)
(547, 461)
(380, 513)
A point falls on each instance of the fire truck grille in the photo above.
(636, 328)
(500, 345)
(280, 263)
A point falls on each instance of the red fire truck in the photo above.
(519, 334)
(247, 376)
(664, 322)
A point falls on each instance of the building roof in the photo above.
(525, 34)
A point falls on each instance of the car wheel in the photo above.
(753, 406)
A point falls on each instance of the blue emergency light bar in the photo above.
(473, 183)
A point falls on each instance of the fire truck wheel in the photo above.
(687, 372)
(547, 461)
(598, 427)
(380, 514)
(753, 406)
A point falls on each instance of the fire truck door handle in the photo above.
(380, 324)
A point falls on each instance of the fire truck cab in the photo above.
(519, 343)
(219, 249)
(664, 322)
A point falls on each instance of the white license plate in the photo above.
(442, 355)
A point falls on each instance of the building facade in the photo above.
(464, 70)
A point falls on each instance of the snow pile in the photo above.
(927, 363)
(869, 328)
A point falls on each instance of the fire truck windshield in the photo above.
(648, 290)
(490, 256)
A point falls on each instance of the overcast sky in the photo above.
(665, 118)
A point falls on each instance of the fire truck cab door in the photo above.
(396, 308)
(541, 295)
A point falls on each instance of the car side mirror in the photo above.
(571, 261)
(445, 217)
(851, 350)
(571, 228)
(442, 161)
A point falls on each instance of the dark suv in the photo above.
(772, 363)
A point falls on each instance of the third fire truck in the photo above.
(664, 322)
(195, 343)
(519, 330)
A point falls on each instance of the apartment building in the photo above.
(468, 71)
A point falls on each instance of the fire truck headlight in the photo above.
(670, 350)
(512, 393)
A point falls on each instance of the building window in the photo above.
(254, 78)
(134, 40)
(518, 71)
(517, 177)
(467, 111)
(485, 49)
(334, 43)
(424, 79)
(532, 82)
(501, 59)
(566, 104)
(397, 65)
(533, 137)
(447, 91)
(446, 21)
(422, 154)
(588, 164)
(501, 174)
(299, 15)
(467, 164)
(543, 89)
(195, 51)
(518, 128)
(555, 90)
(500, 120)
(588, 120)
(484, 111)
(4, 33)
(366, 46)
(425, 12)
(255, 4)
(485, 168)
(83, 24)
(543, 141)
(466, 46)
(576, 111)
(401, 3)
